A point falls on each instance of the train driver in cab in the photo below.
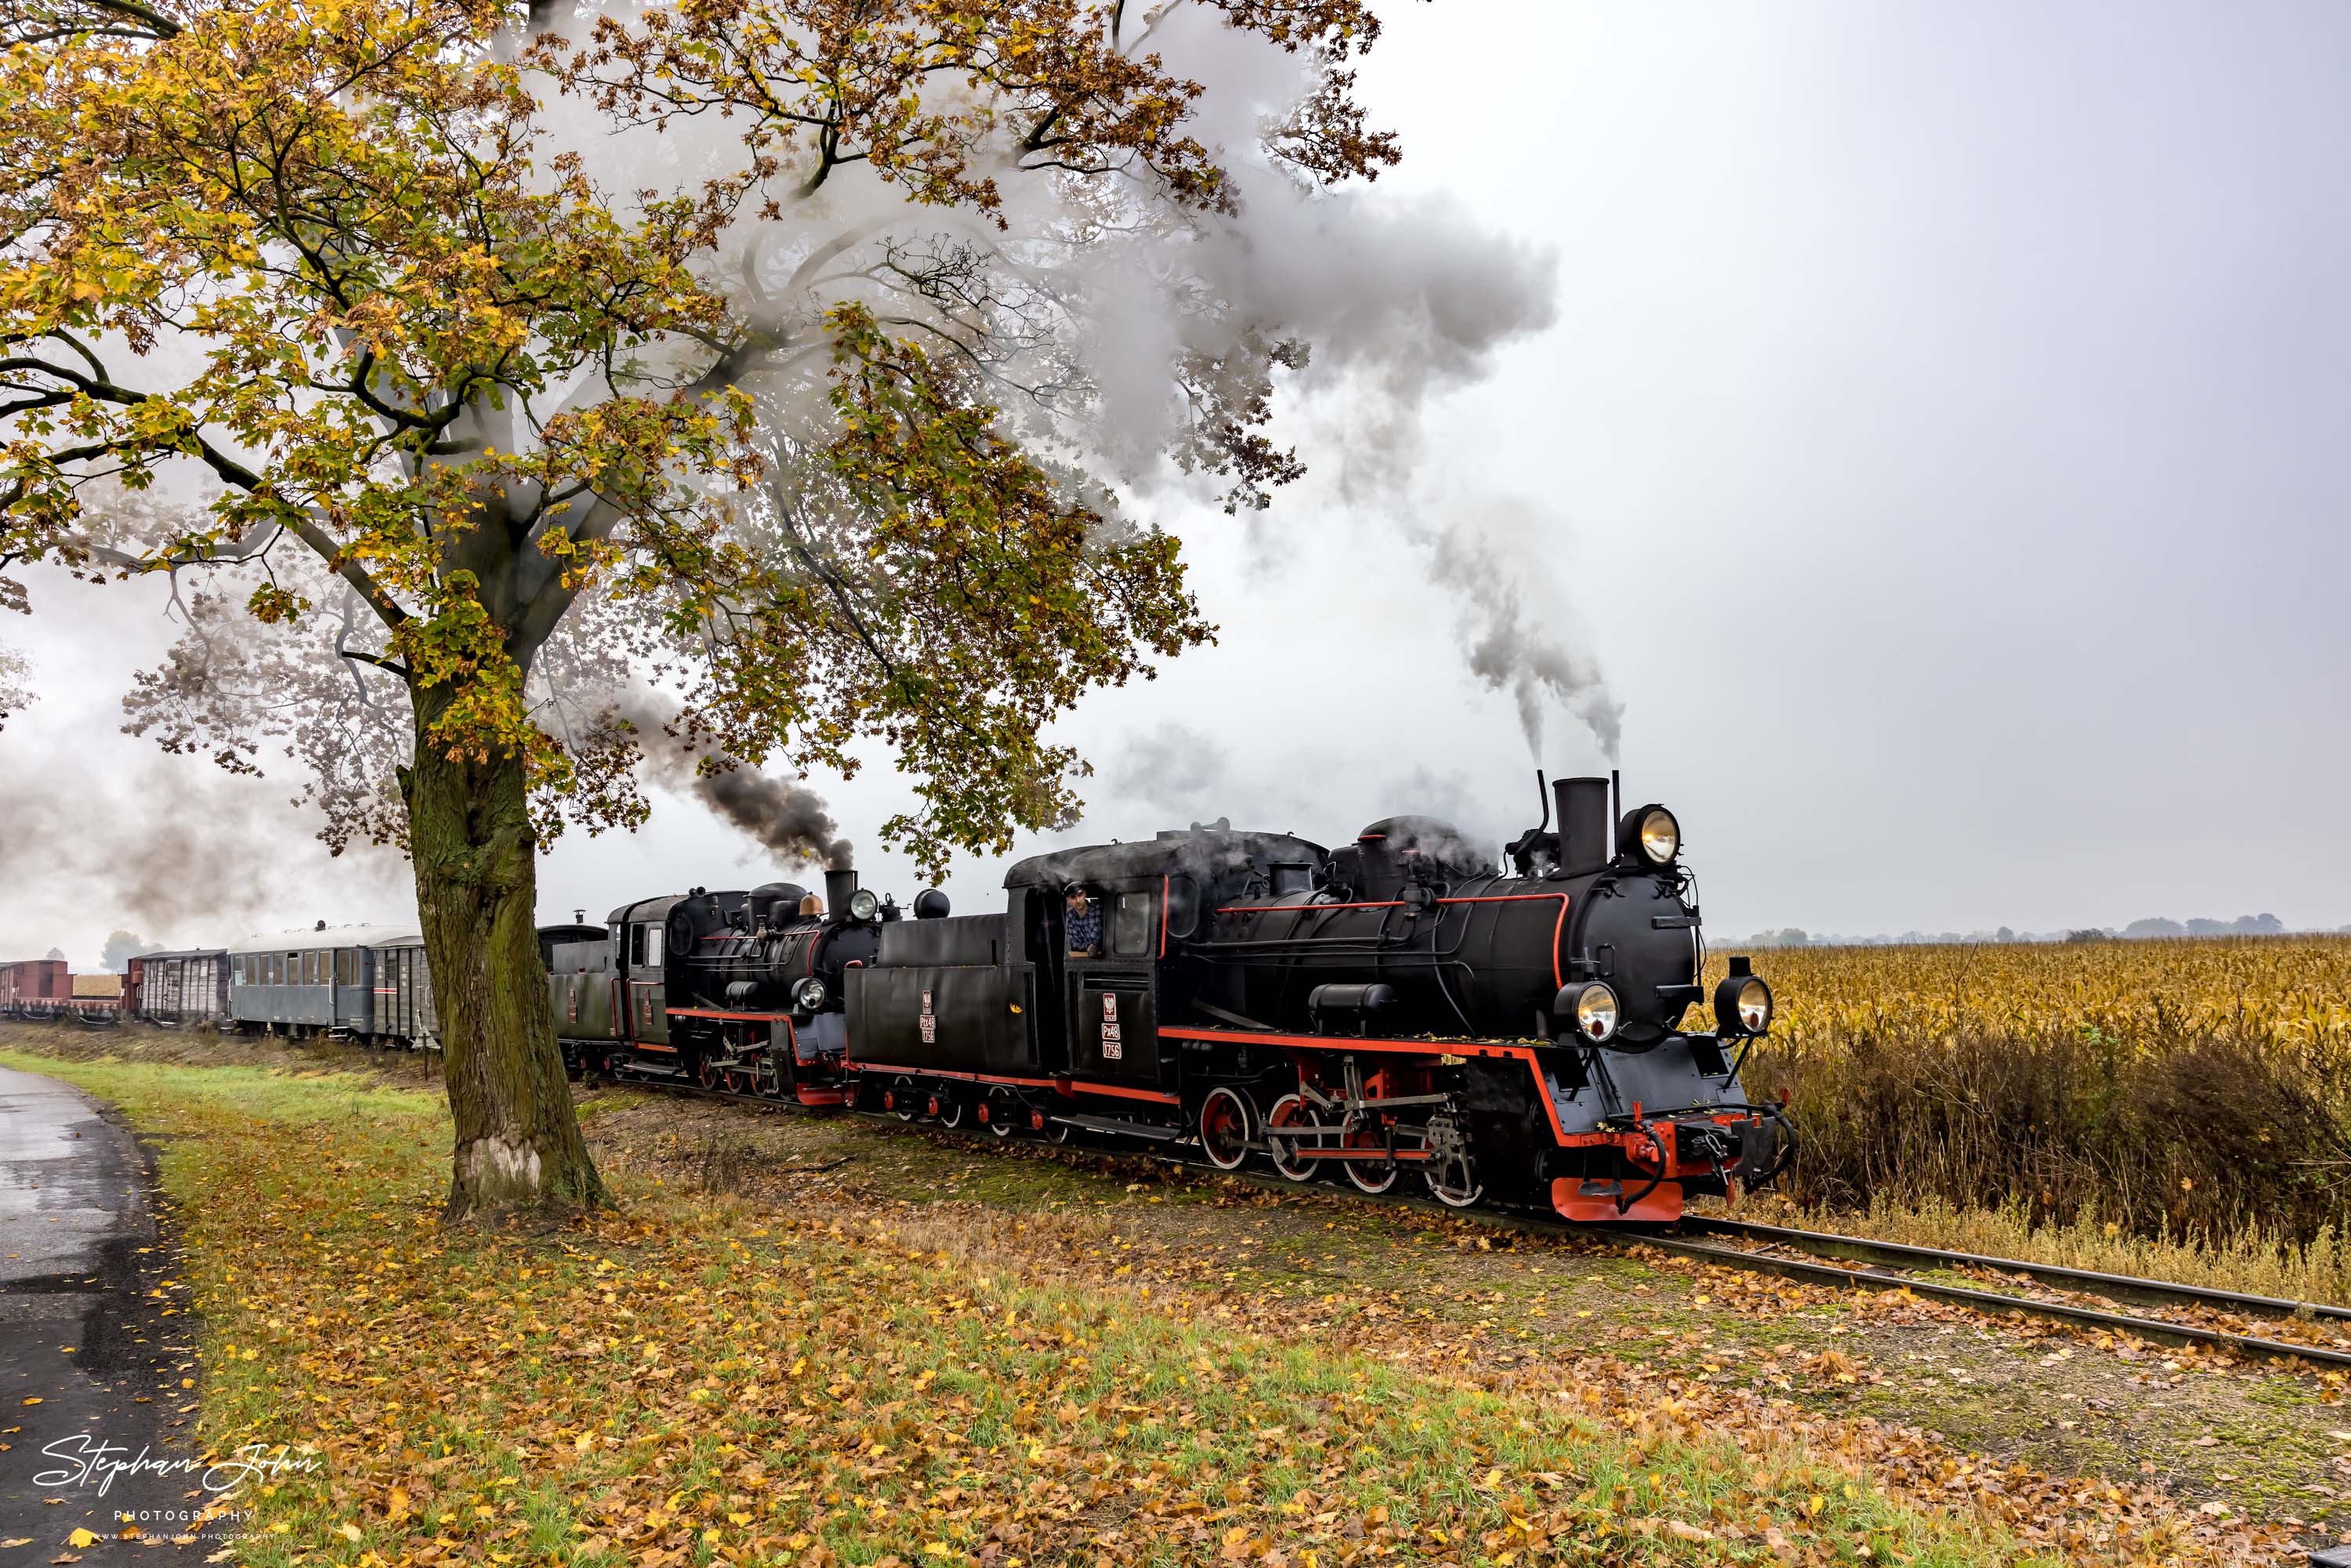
(1083, 919)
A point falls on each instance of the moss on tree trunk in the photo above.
(476, 856)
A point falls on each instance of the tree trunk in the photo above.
(476, 857)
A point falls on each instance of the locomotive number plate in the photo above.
(928, 1022)
(1113, 1046)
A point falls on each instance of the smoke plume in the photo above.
(786, 819)
(121, 946)
(1174, 769)
(199, 860)
(1510, 624)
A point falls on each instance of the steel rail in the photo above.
(1813, 1272)
(2122, 1287)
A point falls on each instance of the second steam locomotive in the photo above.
(1520, 1034)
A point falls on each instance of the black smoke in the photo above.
(786, 819)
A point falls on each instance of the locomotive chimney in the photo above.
(838, 886)
(1583, 824)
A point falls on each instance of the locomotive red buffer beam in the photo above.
(1663, 1158)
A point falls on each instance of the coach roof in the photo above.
(304, 941)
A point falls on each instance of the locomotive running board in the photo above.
(1142, 1129)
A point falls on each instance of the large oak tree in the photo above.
(458, 367)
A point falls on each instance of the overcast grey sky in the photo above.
(1937, 446)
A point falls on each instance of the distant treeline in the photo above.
(2242, 925)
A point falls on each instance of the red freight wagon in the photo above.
(47, 987)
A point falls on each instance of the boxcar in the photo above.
(174, 989)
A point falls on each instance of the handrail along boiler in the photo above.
(1400, 1005)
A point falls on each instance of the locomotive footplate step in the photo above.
(1125, 1129)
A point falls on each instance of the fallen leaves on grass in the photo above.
(698, 1381)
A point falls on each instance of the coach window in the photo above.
(1130, 928)
(347, 966)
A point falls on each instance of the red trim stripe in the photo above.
(1121, 1092)
(1059, 1085)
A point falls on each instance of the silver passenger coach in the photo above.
(366, 981)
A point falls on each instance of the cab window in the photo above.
(1130, 928)
(645, 945)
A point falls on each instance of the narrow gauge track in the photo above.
(2120, 1287)
(1861, 1263)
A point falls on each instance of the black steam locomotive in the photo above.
(1399, 1003)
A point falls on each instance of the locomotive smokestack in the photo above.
(838, 886)
(1583, 824)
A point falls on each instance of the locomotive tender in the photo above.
(1399, 1004)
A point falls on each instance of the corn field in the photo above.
(2189, 1090)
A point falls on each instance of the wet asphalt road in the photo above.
(95, 1337)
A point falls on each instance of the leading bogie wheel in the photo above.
(1226, 1123)
(1451, 1174)
(1453, 1180)
(1291, 1111)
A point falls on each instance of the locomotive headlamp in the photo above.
(1595, 1013)
(809, 995)
(1651, 833)
(863, 905)
(1742, 1005)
